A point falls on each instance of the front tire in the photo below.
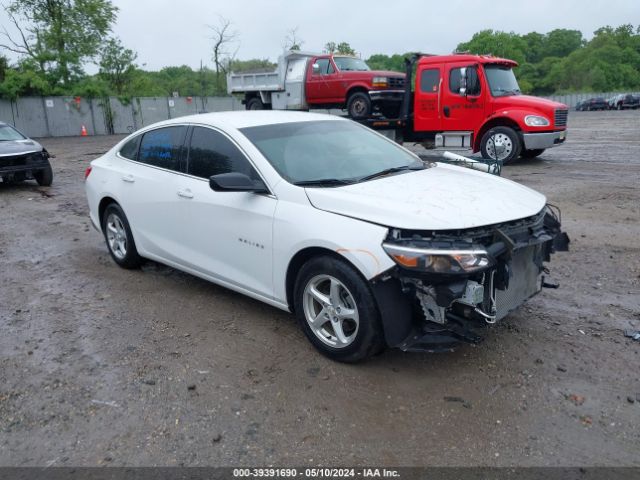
(505, 135)
(532, 153)
(44, 177)
(337, 311)
(359, 106)
(117, 234)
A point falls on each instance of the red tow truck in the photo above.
(463, 101)
(457, 101)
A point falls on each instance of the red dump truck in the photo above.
(304, 80)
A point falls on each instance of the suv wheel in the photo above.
(337, 310)
(44, 177)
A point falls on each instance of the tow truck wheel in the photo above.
(507, 141)
(532, 153)
(359, 105)
(44, 177)
(255, 104)
(337, 311)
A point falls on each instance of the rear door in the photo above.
(462, 110)
(149, 188)
(227, 235)
(427, 99)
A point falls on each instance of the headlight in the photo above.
(380, 81)
(434, 260)
(536, 121)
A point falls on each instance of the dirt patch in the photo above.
(156, 367)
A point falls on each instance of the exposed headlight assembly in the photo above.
(380, 81)
(536, 121)
(435, 260)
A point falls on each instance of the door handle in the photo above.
(446, 111)
(185, 193)
(128, 179)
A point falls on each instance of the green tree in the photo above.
(342, 48)
(117, 65)
(60, 35)
(501, 44)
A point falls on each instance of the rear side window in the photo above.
(163, 147)
(429, 80)
(130, 149)
(211, 153)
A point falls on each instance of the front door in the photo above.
(320, 81)
(227, 235)
(462, 110)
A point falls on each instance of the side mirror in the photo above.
(316, 68)
(463, 81)
(236, 182)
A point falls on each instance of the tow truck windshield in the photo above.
(502, 81)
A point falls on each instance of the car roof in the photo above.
(251, 118)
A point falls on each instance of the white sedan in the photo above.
(367, 244)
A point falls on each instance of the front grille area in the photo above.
(561, 117)
(22, 160)
(396, 82)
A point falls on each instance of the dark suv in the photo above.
(597, 103)
(22, 158)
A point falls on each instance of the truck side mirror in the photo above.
(463, 81)
(316, 68)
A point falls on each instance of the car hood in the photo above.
(443, 197)
(17, 147)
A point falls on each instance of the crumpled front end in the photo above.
(448, 285)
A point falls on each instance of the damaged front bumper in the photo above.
(23, 165)
(448, 285)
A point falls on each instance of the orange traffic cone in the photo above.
(83, 131)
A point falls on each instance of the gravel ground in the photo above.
(103, 366)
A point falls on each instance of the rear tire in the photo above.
(255, 104)
(509, 138)
(532, 153)
(359, 106)
(117, 234)
(337, 311)
(44, 177)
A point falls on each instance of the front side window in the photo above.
(502, 80)
(324, 66)
(328, 151)
(473, 82)
(211, 153)
(429, 80)
(163, 147)
(8, 133)
(130, 149)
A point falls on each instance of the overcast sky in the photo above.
(169, 32)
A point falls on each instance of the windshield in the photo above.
(349, 63)
(328, 152)
(501, 80)
(8, 134)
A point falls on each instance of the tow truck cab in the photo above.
(474, 101)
